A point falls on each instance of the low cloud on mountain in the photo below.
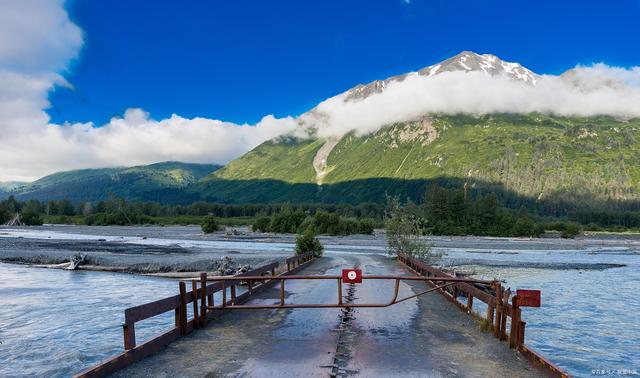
(38, 40)
(583, 91)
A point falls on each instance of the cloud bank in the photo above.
(582, 91)
(37, 42)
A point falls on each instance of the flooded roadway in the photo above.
(54, 323)
(428, 336)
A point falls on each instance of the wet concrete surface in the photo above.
(421, 337)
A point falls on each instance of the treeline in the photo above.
(118, 211)
(596, 220)
(29, 211)
(442, 211)
(454, 212)
(338, 219)
(290, 220)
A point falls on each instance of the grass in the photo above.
(485, 325)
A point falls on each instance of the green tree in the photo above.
(524, 225)
(209, 224)
(571, 230)
(308, 242)
(405, 233)
(30, 214)
(261, 224)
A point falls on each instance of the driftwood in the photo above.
(76, 260)
(15, 221)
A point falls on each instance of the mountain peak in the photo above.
(487, 63)
(466, 61)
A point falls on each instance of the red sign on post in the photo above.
(528, 298)
(351, 275)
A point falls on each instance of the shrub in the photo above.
(261, 224)
(4, 215)
(31, 218)
(525, 226)
(593, 227)
(366, 226)
(30, 214)
(209, 224)
(485, 325)
(286, 221)
(308, 242)
(571, 230)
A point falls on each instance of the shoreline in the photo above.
(181, 251)
(111, 269)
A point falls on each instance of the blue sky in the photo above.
(88, 84)
(240, 60)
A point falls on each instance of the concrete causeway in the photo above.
(427, 336)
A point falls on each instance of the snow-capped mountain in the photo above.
(467, 61)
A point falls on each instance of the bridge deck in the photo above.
(427, 336)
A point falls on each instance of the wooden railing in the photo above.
(179, 303)
(498, 310)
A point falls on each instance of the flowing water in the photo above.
(588, 322)
(56, 322)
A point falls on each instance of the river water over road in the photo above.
(55, 322)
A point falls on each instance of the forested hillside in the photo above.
(161, 182)
(551, 164)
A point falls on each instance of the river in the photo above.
(55, 322)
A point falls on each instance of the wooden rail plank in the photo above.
(183, 326)
(128, 357)
(148, 310)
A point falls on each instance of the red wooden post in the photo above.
(224, 293)
(505, 302)
(499, 311)
(521, 334)
(210, 300)
(490, 312)
(183, 308)
(203, 298)
(469, 303)
(515, 322)
(194, 297)
(129, 336)
(233, 293)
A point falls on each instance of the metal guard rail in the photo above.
(231, 305)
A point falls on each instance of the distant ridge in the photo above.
(162, 182)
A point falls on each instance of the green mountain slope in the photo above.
(164, 182)
(534, 157)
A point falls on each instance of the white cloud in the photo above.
(37, 41)
(583, 91)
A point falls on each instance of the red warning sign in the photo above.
(351, 275)
(528, 298)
